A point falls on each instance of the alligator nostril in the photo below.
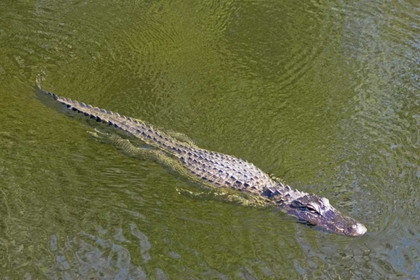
(358, 229)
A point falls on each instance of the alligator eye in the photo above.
(312, 209)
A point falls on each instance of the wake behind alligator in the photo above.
(223, 170)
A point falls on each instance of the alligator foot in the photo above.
(125, 145)
(181, 137)
(100, 136)
(40, 78)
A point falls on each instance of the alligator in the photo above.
(219, 170)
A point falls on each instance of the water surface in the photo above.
(324, 94)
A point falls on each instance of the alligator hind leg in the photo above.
(181, 137)
(144, 153)
(125, 145)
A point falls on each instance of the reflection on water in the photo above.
(87, 256)
(324, 94)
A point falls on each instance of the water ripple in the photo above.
(252, 36)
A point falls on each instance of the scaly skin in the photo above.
(222, 170)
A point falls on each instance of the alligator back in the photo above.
(216, 168)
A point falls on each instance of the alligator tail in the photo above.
(137, 128)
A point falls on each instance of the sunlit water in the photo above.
(324, 94)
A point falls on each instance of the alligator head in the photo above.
(317, 211)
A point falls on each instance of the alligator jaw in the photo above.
(318, 212)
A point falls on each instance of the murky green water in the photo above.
(325, 94)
